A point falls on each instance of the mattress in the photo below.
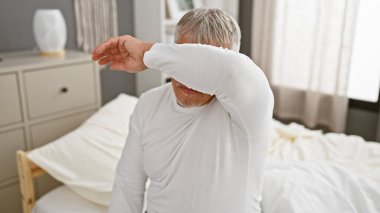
(64, 200)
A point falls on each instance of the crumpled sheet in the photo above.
(297, 143)
(320, 187)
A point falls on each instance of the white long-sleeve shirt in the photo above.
(207, 159)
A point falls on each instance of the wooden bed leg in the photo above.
(26, 181)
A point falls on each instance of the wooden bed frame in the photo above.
(27, 171)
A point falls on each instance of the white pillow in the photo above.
(86, 158)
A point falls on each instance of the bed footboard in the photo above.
(27, 171)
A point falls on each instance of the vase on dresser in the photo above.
(49, 29)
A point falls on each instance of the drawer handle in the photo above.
(64, 90)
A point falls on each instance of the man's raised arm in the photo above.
(232, 77)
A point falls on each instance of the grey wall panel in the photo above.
(245, 22)
(362, 122)
(115, 82)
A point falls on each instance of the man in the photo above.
(202, 140)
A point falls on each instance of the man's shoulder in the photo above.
(153, 101)
(156, 93)
(152, 98)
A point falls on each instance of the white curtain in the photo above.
(96, 21)
(304, 47)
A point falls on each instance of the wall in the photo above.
(363, 119)
(16, 33)
(114, 82)
(378, 128)
(363, 122)
(245, 21)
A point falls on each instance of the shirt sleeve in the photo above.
(129, 186)
(238, 84)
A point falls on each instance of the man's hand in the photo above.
(124, 53)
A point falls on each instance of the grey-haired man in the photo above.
(202, 140)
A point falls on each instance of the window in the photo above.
(364, 79)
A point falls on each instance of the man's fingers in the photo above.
(113, 58)
(96, 56)
(104, 60)
(110, 59)
(118, 52)
(105, 45)
(112, 42)
(108, 52)
(112, 46)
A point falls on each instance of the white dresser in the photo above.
(41, 99)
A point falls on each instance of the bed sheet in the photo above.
(296, 143)
(64, 200)
(306, 186)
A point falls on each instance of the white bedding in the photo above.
(303, 187)
(297, 143)
(64, 200)
(85, 159)
(289, 187)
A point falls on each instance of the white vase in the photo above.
(50, 31)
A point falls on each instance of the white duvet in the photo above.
(297, 143)
(292, 187)
(309, 171)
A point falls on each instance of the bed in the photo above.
(307, 171)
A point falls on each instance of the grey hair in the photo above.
(209, 26)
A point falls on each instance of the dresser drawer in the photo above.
(10, 109)
(60, 88)
(48, 131)
(10, 142)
